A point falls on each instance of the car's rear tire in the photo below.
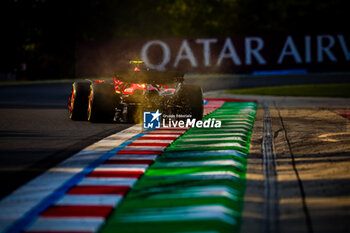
(103, 101)
(79, 101)
(190, 98)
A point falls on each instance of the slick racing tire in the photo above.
(103, 101)
(79, 101)
(190, 98)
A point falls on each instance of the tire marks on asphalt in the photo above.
(300, 182)
(271, 198)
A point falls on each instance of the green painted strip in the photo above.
(219, 162)
(218, 130)
(199, 170)
(197, 184)
(180, 154)
(210, 138)
(161, 185)
(216, 135)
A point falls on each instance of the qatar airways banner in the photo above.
(228, 54)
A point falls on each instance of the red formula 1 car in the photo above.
(130, 93)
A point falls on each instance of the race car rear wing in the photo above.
(150, 77)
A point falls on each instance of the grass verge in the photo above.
(310, 90)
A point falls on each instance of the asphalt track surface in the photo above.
(36, 133)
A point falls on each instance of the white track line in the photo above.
(113, 169)
(67, 224)
(108, 181)
(99, 200)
